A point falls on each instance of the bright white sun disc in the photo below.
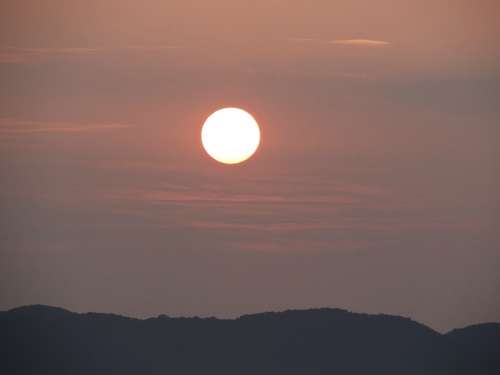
(230, 135)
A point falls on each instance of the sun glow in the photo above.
(230, 135)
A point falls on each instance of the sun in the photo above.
(230, 135)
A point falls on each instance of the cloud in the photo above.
(343, 42)
(19, 55)
(360, 42)
(281, 245)
(10, 126)
(160, 47)
(303, 40)
(266, 227)
(65, 50)
(209, 198)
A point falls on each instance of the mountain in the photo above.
(48, 340)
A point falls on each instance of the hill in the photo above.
(47, 340)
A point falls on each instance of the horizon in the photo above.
(267, 312)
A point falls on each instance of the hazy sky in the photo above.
(376, 187)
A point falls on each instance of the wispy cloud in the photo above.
(159, 47)
(209, 198)
(304, 40)
(281, 245)
(23, 55)
(18, 55)
(9, 126)
(63, 50)
(360, 42)
(342, 42)
(266, 227)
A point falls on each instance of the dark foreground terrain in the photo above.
(47, 340)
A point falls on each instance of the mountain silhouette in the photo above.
(48, 340)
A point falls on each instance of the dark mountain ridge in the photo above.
(48, 340)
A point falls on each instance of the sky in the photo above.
(375, 187)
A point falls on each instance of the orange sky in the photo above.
(375, 187)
